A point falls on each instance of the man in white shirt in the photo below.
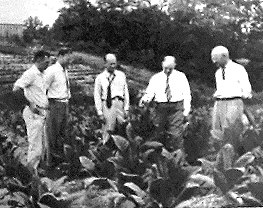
(111, 96)
(232, 85)
(171, 92)
(58, 92)
(34, 114)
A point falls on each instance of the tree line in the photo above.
(141, 33)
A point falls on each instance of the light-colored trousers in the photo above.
(227, 123)
(35, 125)
(112, 115)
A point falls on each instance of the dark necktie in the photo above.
(108, 100)
(223, 73)
(168, 89)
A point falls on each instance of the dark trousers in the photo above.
(169, 121)
(57, 121)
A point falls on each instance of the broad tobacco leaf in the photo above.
(101, 182)
(251, 201)
(256, 188)
(244, 160)
(87, 163)
(232, 176)
(120, 142)
(151, 145)
(54, 186)
(207, 166)
(136, 189)
(202, 180)
(221, 181)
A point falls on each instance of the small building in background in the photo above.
(7, 30)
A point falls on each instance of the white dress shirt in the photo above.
(180, 89)
(119, 88)
(235, 84)
(33, 83)
(57, 82)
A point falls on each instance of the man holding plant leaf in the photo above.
(170, 90)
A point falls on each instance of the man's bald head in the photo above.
(110, 62)
(168, 64)
(220, 56)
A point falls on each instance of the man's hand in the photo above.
(34, 109)
(126, 114)
(142, 103)
(102, 118)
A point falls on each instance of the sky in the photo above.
(17, 11)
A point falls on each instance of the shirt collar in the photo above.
(107, 74)
(37, 70)
(227, 64)
(59, 65)
(173, 71)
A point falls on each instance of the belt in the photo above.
(116, 98)
(226, 99)
(64, 100)
(42, 108)
(169, 103)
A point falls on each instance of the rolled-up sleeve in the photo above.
(25, 80)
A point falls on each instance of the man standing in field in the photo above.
(170, 90)
(111, 96)
(33, 84)
(58, 92)
(232, 85)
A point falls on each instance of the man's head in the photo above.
(62, 57)
(41, 60)
(220, 56)
(110, 62)
(168, 64)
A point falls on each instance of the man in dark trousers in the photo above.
(170, 90)
(58, 92)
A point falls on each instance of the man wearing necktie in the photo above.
(111, 96)
(171, 92)
(232, 85)
(58, 92)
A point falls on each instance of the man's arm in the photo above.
(245, 84)
(149, 92)
(18, 97)
(48, 77)
(187, 96)
(97, 95)
(126, 95)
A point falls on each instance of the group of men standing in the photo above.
(48, 93)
